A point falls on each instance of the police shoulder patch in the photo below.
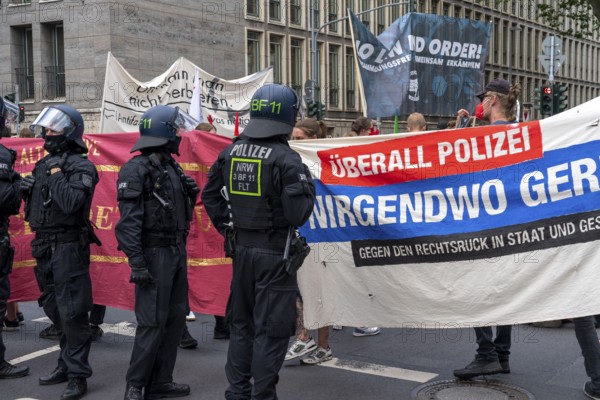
(86, 180)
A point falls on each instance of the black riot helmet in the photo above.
(273, 111)
(64, 119)
(159, 126)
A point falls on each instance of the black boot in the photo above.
(221, 330)
(75, 390)
(133, 392)
(170, 389)
(479, 366)
(9, 371)
(187, 341)
(59, 375)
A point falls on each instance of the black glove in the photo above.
(191, 185)
(27, 184)
(141, 276)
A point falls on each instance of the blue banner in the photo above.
(421, 63)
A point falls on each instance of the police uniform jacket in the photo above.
(61, 201)
(154, 203)
(10, 199)
(267, 186)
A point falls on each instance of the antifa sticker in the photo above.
(244, 176)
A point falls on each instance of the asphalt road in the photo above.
(545, 362)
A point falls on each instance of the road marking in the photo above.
(35, 354)
(379, 370)
(122, 328)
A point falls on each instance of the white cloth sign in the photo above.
(496, 225)
(125, 98)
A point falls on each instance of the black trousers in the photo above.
(490, 348)
(63, 276)
(160, 310)
(262, 314)
(5, 266)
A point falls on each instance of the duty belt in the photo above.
(162, 240)
(71, 235)
(274, 240)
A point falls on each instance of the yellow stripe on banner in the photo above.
(192, 262)
(188, 167)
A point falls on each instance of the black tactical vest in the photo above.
(251, 174)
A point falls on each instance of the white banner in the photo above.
(126, 98)
(489, 225)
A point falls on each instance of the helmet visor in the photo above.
(52, 119)
(11, 112)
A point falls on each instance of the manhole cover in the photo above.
(469, 390)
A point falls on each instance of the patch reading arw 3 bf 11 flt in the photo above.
(244, 176)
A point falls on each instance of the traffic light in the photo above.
(547, 101)
(560, 97)
(320, 110)
(537, 100)
(311, 108)
(21, 113)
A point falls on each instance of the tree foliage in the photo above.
(578, 11)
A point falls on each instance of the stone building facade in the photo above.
(56, 50)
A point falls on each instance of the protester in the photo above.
(308, 128)
(58, 196)
(26, 133)
(362, 126)
(587, 337)
(256, 212)
(156, 203)
(206, 127)
(416, 123)
(498, 102)
(10, 202)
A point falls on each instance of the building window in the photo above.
(394, 13)
(350, 79)
(275, 58)
(365, 18)
(253, 50)
(296, 46)
(275, 10)
(317, 13)
(253, 8)
(332, 14)
(349, 5)
(24, 72)
(380, 17)
(317, 78)
(334, 76)
(295, 12)
(55, 64)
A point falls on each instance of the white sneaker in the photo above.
(191, 316)
(300, 348)
(366, 331)
(318, 356)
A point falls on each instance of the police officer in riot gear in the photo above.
(58, 197)
(156, 201)
(10, 202)
(257, 189)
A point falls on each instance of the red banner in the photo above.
(209, 272)
(433, 155)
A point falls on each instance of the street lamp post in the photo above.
(315, 34)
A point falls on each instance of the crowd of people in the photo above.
(257, 213)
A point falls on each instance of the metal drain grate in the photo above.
(469, 390)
